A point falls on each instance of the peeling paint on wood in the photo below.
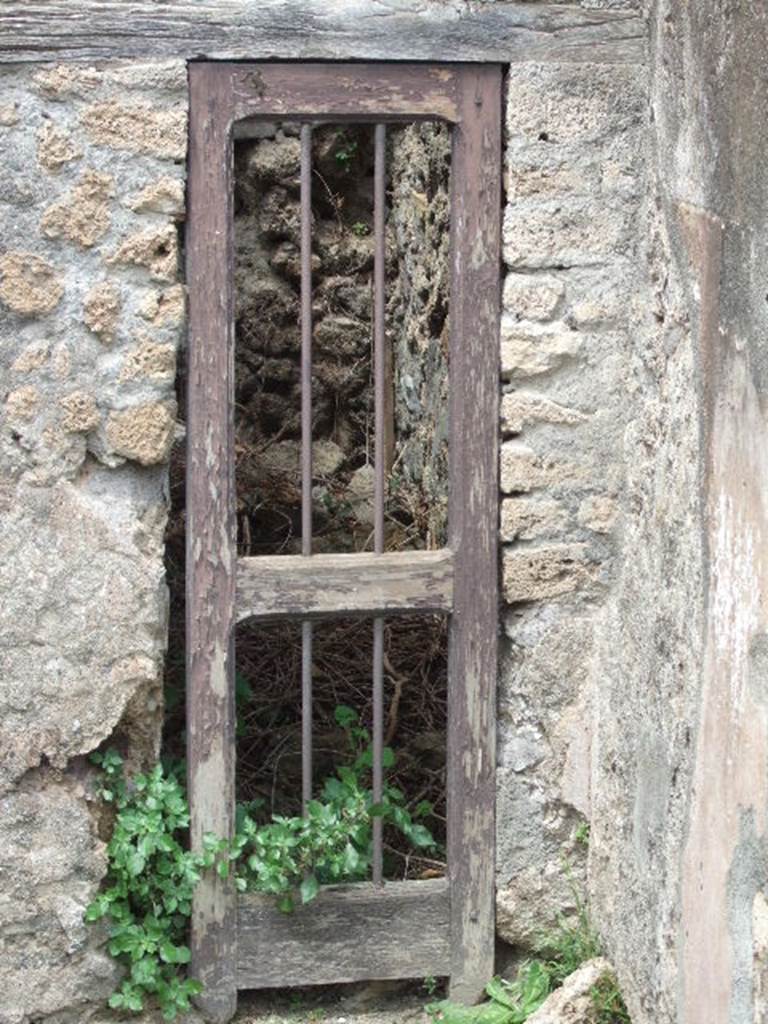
(211, 540)
(292, 585)
(462, 580)
(473, 524)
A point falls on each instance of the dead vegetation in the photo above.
(267, 453)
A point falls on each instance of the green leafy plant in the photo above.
(291, 857)
(148, 895)
(147, 898)
(607, 1002)
(346, 150)
(581, 835)
(563, 950)
(571, 943)
(511, 1002)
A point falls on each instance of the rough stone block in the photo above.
(572, 1002)
(581, 103)
(166, 195)
(55, 148)
(527, 352)
(101, 310)
(532, 296)
(22, 404)
(65, 81)
(80, 412)
(534, 900)
(137, 128)
(83, 215)
(521, 468)
(52, 861)
(567, 232)
(84, 607)
(284, 458)
(165, 307)
(28, 284)
(520, 408)
(598, 513)
(544, 179)
(150, 360)
(32, 358)
(143, 433)
(9, 115)
(532, 574)
(154, 248)
(532, 518)
(276, 164)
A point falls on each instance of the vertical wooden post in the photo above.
(472, 516)
(211, 528)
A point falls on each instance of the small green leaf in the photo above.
(168, 952)
(285, 904)
(345, 716)
(420, 836)
(309, 888)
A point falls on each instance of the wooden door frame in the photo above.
(468, 97)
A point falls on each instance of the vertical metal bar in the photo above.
(379, 346)
(379, 341)
(306, 451)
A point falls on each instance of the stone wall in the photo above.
(91, 310)
(575, 185)
(633, 514)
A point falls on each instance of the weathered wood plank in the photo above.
(280, 586)
(348, 933)
(342, 91)
(211, 538)
(429, 30)
(473, 525)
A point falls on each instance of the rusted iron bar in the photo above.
(379, 344)
(306, 451)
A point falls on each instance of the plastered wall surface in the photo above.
(679, 867)
(632, 509)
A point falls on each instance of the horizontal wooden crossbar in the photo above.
(344, 91)
(280, 586)
(348, 933)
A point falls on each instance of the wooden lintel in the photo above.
(344, 91)
(281, 586)
(419, 30)
(347, 933)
